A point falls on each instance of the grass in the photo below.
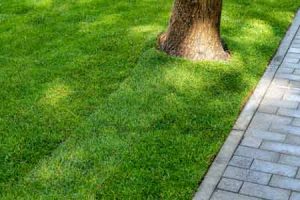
(91, 110)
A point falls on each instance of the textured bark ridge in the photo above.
(194, 31)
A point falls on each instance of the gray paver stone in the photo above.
(230, 184)
(286, 129)
(295, 196)
(294, 84)
(247, 175)
(266, 135)
(257, 153)
(294, 50)
(292, 139)
(266, 192)
(252, 142)
(285, 182)
(281, 148)
(223, 195)
(239, 161)
(287, 70)
(274, 168)
(267, 109)
(280, 103)
(289, 112)
(290, 160)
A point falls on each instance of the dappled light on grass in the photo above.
(255, 30)
(55, 93)
(90, 51)
(145, 29)
(148, 113)
(108, 20)
(91, 109)
(40, 3)
(184, 79)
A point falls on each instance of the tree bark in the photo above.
(194, 31)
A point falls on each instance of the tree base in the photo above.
(193, 52)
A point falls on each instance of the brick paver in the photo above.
(266, 163)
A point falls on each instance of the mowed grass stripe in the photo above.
(155, 135)
(61, 60)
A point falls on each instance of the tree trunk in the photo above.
(194, 30)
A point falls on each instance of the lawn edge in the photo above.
(217, 168)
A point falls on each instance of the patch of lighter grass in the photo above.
(55, 93)
(183, 79)
(256, 30)
(40, 3)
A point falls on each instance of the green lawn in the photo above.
(91, 110)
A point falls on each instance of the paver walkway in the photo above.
(266, 162)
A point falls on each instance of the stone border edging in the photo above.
(217, 168)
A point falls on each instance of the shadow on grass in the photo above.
(87, 47)
(157, 121)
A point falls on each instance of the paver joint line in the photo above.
(261, 157)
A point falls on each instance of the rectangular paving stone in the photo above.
(230, 184)
(275, 119)
(285, 129)
(224, 195)
(265, 192)
(247, 175)
(289, 160)
(263, 120)
(296, 42)
(242, 162)
(280, 103)
(292, 65)
(291, 77)
(274, 168)
(266, 135)
(294, 84)
(295, 196)
(292, 139)
(287, 70)
(281, 148)
(289, 112)
(297, 71)
(280, 82)
(267, 109)
(292, 96)
(296, 122)
(290, 60)
(294, 50)
(293, 55)
(285, 182)
(257, 153)
(295, 45)
(250, 141)
(275, 93)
